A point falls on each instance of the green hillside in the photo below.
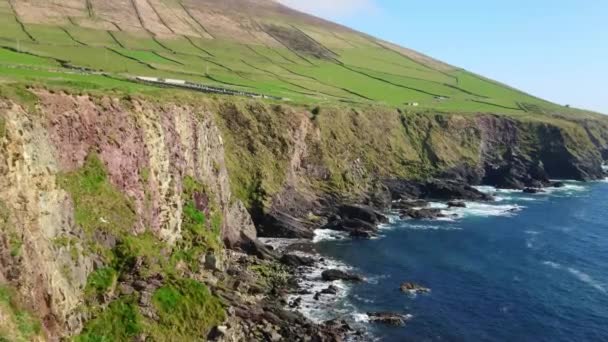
(285, 54)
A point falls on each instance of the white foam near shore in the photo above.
(413, 226)
(329, 235)
(476, 209)
(326, 306)
(279, 244)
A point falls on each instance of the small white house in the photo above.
(412, 104)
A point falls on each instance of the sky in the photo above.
(554, 49)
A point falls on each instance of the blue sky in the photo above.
(555, 49)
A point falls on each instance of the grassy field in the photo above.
(360, 70)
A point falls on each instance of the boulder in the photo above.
(331, 290)
(361, 234)
(421, 214)
(348, 225)
(361, 212)
(254, 247)
(532, 190)
(414, 288)
(280, 224)
(331, 275)
(212, 262)
(457, 204)
(389, 318)
(296, 260)
(558, 184)
(296, 303)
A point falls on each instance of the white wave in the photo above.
(532, 232)
(531, 239)
(585, 278)
(567, 188)
(376, 279)
(437, 205)
(605, 167)
(429, 227)
(552, 264)
(487, 189)
(582, 276)
(279, 244)
(325, 306)
(361, 317)
(484, 210)
(328, 235)
(393, 218)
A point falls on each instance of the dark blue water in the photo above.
(538, 275)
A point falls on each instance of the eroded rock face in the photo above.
(306, 174)
(146, 149)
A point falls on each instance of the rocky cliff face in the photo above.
(143, 190)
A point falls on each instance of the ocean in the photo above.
(523, 268)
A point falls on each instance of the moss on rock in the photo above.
(16, 323)
(98, 205)
(187, 311)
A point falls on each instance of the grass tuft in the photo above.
(187, 310)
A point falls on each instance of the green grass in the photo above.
(10, 30)
(364, 73)
(184, 46)
(13, 315)
(100, 281)
(92, 37)
(52, 35)
(187, 311)
(121, 321)
(134, 42)
(11, 57)
(98, 205)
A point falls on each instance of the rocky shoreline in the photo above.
(312, 279)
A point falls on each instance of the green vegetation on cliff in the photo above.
(186, 310)
(120, 321)
(99, 206)
(16, 324)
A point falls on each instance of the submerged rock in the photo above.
(389, 318)
(331, 275)
(533, 191)
(457, 204)
(362, 234)
(414, 288)
(558, 184)
(421, 214)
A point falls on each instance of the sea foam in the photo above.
(328, 235)
(582, 276)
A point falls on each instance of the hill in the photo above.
(257, 46)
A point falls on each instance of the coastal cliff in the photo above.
(136, 209)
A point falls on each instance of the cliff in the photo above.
(120, 208)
